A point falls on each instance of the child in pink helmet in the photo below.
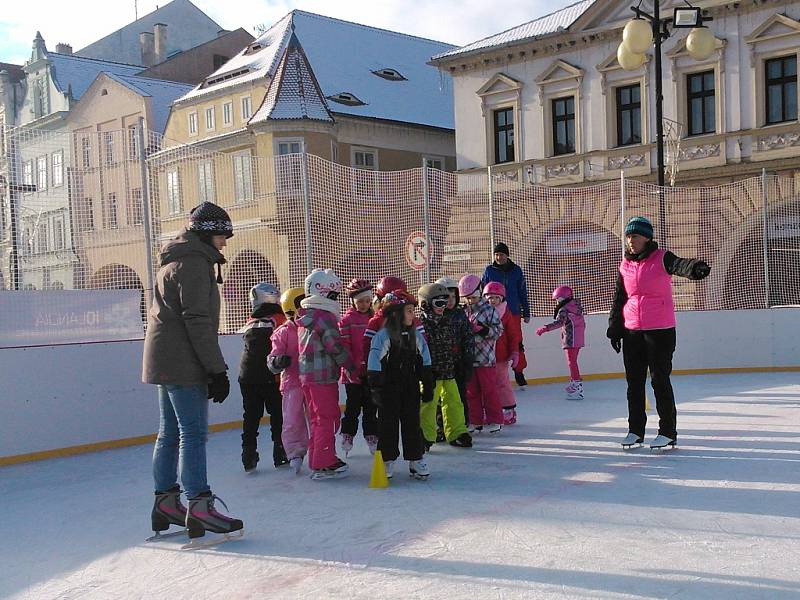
(568, 316)
(506, 349)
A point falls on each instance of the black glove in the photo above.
(282, 362)
(700, 270)
(616, 344)
(219, 387)
(483, 331)
(428, 384)
(375, 384)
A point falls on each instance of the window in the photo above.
(41, 237)
(27, 173)
(41, 173)
(700, 104)
(58, 233)
(504, 135)
(135, 213)
(246, 108)
(365, 159)
(289, 147)
(433, 162)
(110, 212)
(108, 139)
(205, 181)
(242, 177)
(781, 82)
(87, 218)
(347, 99)
(564, 125)
(334, 152)
(133, 143)
(629, 115)
(173, 193)
(210, 119)
(192, 123)
(219, 60)
(86, 152)
(40, 98)
(58, 168)
(227, 113)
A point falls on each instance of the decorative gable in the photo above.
(611, 65)
(498, 84)
(560, 71)
(776, 26)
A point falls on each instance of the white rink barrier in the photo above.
(62, 400)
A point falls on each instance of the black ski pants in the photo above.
(255, 398)
(650, 350)
(400, 410)
(359, 401)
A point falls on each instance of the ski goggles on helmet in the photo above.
(439, 302)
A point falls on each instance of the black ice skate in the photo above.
(202, 516)
(631, 441)
(462, 441)
(167, 510)
(335, 471)
(279, 458)
(662, 442)
(249, 458)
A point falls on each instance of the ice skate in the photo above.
(520, 379)
(296, 464)
(494, 427)
(336, 471)
(202, 516)
(388, 465)
(250, 458)
(428, 445)
(474, 428)
(167, 510)
(279, 458)
(418, 469)
(372, 443)
(509, 416)
(574, 390)
(631, 441)
(346, 443)
(662, 442)
(462, 441)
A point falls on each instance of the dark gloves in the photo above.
(615, 335)
(375, 383)
(700, 270)
(219, 387)
(428, 384)
(616, 344)
(282, 362)
(483, 331)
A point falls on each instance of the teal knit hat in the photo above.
(640, 225)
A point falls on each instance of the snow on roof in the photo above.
(294, 92)
(79, 72)
(551, 23)
(343, 56)
(163, 94)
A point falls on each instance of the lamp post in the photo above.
(646, 30)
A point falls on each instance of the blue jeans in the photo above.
(182, 435)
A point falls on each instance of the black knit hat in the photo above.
(501, 247)
(211, 219)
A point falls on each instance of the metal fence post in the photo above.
(766, 237)
(307, 207)
(146, 212)
(491, 210)
(426, 219)
(622, 209)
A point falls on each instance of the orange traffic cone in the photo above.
(378, 478)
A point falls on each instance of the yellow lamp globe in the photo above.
(630, 61)
(637, 36)
(700, 43)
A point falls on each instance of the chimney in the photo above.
(160, 32)
(148, 50)
(64, 49)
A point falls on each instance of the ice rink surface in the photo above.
(548, 508)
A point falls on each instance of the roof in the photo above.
(343, 56)
(79, 73)
(542, 26)
(187, 27)
(15, 71)
(162, 94)
(294, 92)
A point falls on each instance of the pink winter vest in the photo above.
(649, 290)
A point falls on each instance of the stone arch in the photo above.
(117, 276)
(246, 269)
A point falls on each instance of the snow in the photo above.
(79, 72)
(548, 508)
(161, 91)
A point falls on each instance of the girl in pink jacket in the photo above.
(568, 317)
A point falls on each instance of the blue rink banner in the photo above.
(35, 318)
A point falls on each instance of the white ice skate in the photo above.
(631, 441)
(389, 466)
(662, 442)
(494, 427)
(347, 443)
(296, 463)
(418, 469)
(574, 390)
(372, 443)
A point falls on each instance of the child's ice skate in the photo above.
(336, 471)
(418, 469)
(279, 458)
(388, 465)
(574, 390)
(372, 443)
(249, 458)
(296, 464)
(347, 443)
(509, 416)
(168, 510)
(462, 441)
(494, 427)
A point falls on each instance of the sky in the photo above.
(455, 21)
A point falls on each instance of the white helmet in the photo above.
(323, 282)
(447, 282)
(264, 293)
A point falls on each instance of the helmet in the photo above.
(448, 282)
(357, 287)
(562, 291)
(396, 300)
(290, 300)
(390, 284)
(494, 288)
(264, 293)
(430, 291)
(469, 285)
(324, 283)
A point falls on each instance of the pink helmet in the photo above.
(562, 291)
(469, 285)
(494, 288)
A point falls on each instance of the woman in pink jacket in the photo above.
(642, 323)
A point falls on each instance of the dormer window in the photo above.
(390, 74)
(226, 76)
(347, 99)
(255, 47)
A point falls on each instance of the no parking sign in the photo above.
(418, 250)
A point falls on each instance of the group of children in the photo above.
(400, 371)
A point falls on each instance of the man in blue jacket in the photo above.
(504, 270)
